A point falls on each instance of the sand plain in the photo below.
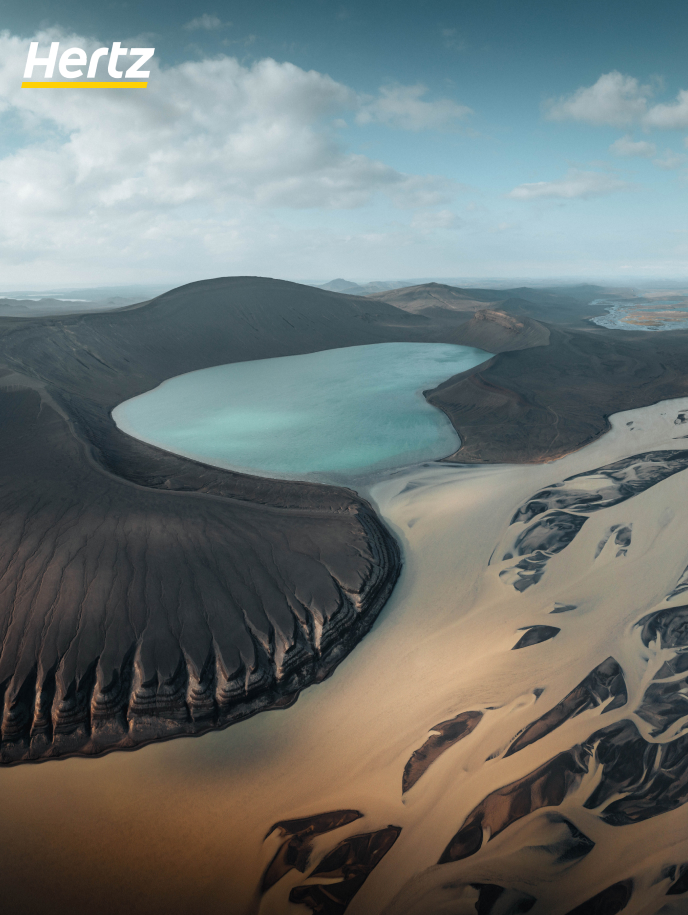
(186, 826)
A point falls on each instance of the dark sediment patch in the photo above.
(537, 544)
(555, 515)
(294, 853)
(447, 733)
(616, 483)
(546, 786)
(606, 682)
(491, 896)
(669, 627)
(534, 635)
(350, 863)
(680, 885)
(638, 778)
(645, 779)
(610, 901)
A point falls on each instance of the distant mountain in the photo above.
(583, 291)
(341, 285)
(497, 332)
(435, 298)
(558, 305)
(367, 289)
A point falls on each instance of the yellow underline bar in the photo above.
(83, 85)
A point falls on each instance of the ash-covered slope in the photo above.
(145, 595)
(537, 404)
(438, 296)
(495, 331)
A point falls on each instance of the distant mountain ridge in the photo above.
(439, 300)
(349, 288)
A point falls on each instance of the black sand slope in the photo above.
(537, 404)
(143, 595)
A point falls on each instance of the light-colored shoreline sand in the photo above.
(180, 827)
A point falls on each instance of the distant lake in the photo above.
(344, 411)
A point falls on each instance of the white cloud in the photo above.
(669, 116)
(670, 160)
(614, 99)
(207, 22)
(404, 107)
(576, 184)
(627, 146)
(118, 173)
(617, 100)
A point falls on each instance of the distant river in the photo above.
(340, 412)
(643, 314)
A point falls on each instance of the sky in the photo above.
(373, 140)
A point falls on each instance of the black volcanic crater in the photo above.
(144, 595)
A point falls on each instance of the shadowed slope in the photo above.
(538, 404)
(131, 612)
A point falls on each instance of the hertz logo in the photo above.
(73, 60)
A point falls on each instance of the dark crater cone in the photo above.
(144, 595)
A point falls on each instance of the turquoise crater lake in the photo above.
(341, 412)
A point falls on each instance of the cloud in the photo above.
(614, 99)
(674, 115)
(627, 146)
(575, 185)
(670, 160)
(617, 100)
(207, 22)
(403, 107)
(118, 173)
